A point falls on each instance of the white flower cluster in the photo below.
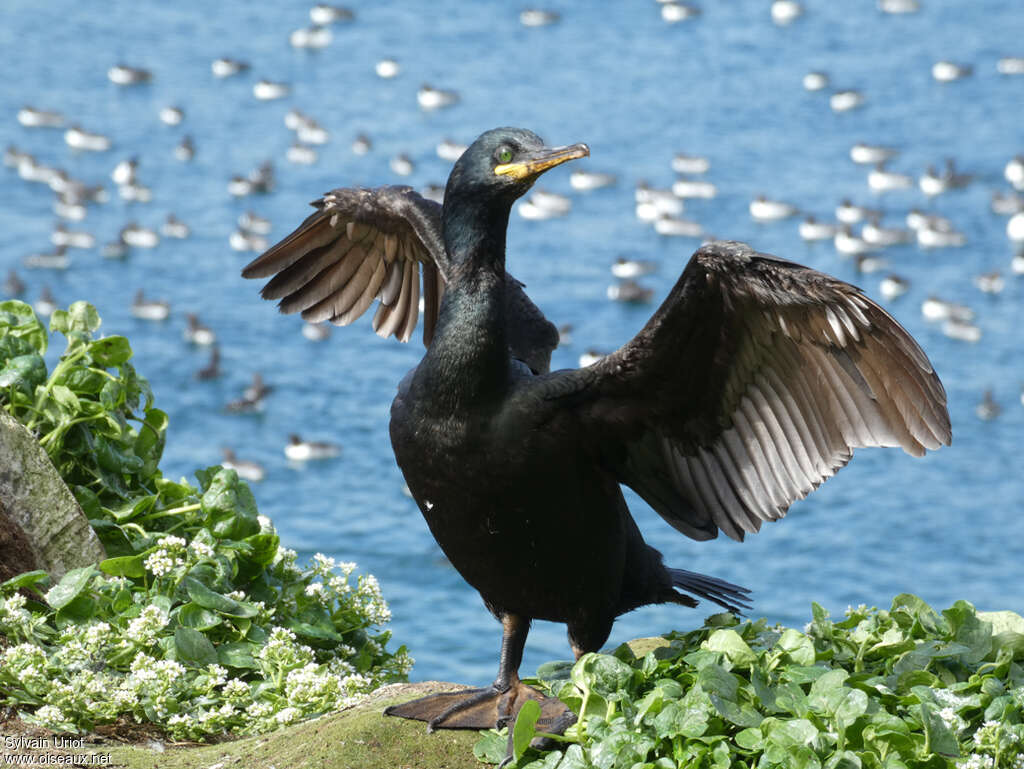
(373, 604)
(15, 620)
(200, 549)
(167, 557)
(143, 629)
(976, 761)
(281, 653)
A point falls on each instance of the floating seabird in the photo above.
(538, 17)
(430, 98)
(387, 68)
(690, 164)
(299, 450)
(450, 150)
(310, 38)
(150, 309)
(173, 227)
(62, 236)
(122, 74)
(629, 291)
(196, 332)
(893, 286)
(212, 369)
(763, 209)
(674, 12)
(32, 117)
(137, 236)
(323, 14)
(246, 469)
(844, 101)
(815, 81)
(881, 179)
(812, 229)
(786, 11)
(225, 67)
(58, 259)
(172, 115)
(871, 154)
(185, 150)
(269, 90)
(948, 71)
(80, 139)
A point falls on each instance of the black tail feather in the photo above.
(727, 595)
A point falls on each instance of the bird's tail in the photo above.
(727, 595)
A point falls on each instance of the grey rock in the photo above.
(35, 497)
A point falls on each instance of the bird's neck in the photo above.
(467, 362)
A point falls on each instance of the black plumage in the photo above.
(749, 386)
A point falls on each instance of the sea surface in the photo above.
(726, 85)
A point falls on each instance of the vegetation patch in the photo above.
(199, 621)
(903, 688)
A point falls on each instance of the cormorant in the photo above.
(749, 386)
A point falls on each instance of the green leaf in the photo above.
(969, 631)
(317, 632)
(601, 673)
(525, 727)
(230, 507)
(749, 739)
(940, 739)
(82, 316)
(66, 399)
(73, 583)
(728, 642)
(24, 372)
(793, 733)
(25, 579)
(238, 654)
(194, 647)
(110, 351)
(195, 616)
(77, 611)
(124, 566)
(678, 719)
(714, 679)
(739, 714)
(19, 320)
(149, 444)
(798, 647)
(490, 748)
(210, 599)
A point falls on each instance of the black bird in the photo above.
(749, 386)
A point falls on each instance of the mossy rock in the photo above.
(360, 737)
(41, 509)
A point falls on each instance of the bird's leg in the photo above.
(488, 707)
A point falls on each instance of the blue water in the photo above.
(727, 85)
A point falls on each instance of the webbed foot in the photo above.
(489, 707)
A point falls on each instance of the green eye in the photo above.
(505, 155)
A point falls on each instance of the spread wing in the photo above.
(384, 244)
(358, 246)
(751, 385)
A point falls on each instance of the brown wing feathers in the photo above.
(784, 372)
(357, 247)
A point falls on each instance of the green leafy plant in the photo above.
(199, 621)
(903, 688)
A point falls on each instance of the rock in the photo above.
(15, 550)
(38, 503)
(359, 737)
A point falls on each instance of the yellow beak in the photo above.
(549, 157)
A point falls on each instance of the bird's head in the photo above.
(503, 163)
(495, 170)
